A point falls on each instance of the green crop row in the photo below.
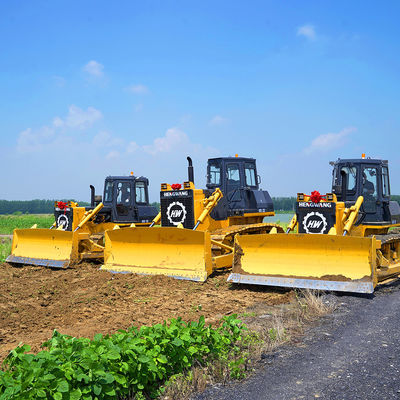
(128, 364)
(10, 222)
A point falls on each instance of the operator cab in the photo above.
(238, 180)
(369, 178)
(126, 198)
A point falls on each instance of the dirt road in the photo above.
(351, 354)
(83, 301)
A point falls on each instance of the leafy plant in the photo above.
(135, 362)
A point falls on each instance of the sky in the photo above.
(97, 88)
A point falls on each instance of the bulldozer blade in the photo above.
(45, 247)
(325, 262)
(179, 253)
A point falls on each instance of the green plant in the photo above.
(273, 334)
(5, 249)
(238, 368)
(247, 314)
(135, 362)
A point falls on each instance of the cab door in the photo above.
(123, 209)
(233, 185)
(386, 194)
(371, 191)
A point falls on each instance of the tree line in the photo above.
(30, 206)
(47, 206)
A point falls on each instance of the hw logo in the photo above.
(176, 213)
(315, 222)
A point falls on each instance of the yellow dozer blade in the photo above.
(179, 253)
(45, 247)
(325, 262)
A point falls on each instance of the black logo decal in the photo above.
(62, 220)
(315, 222)
(176, 213)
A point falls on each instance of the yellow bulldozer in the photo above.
(198, 226)
(78, 232)
(346, 240)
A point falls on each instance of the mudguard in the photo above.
(326, 262)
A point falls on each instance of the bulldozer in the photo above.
(78, 232)
(346, 240)
(198, 226)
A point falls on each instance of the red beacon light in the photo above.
(176, 186)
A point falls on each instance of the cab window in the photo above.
(233, 173)
(123, 193)
(370, 184)
(140, 192)
(215, 174)
(108, 191)
(385, 182)
(250, 173)
(351, 173)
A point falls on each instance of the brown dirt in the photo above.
(83, 301)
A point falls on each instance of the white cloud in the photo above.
(113, 154)
(106, 139)
(308, 31)
(218, 120)
(132, 147)
(138, 89)
(30, 140)
(172, 139)
(34, 140)
(101, 139)
(329, 141)
(94, 69)
(161, 158)
(78, 118)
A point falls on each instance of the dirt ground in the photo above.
(83, 301)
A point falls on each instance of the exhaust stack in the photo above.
(190, 170)
(92, 196)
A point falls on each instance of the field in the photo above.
(10, 222)
(83, 301)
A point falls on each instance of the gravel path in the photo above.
(351, 354)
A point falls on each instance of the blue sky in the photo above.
(100, 88)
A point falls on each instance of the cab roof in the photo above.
(233, 159)
(126, 177)
(359, 161)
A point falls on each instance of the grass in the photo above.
(284, 324)
(5, 248)
(10, 222)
